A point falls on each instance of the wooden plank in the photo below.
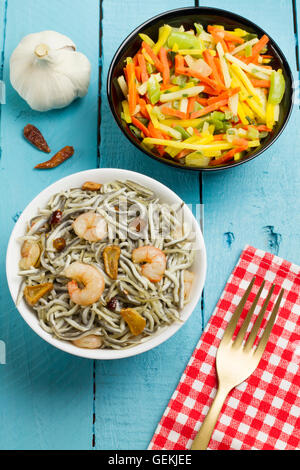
(46, 395)
(131, 394)
(257, 203)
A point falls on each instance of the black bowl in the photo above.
(187, 17)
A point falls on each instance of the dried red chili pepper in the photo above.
(55, 218)
(113, 304)
(57, 159)
(35, 137)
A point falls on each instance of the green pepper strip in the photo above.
(277, 88)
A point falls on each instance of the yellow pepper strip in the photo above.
(270, 115)
(184, 122)
(241, 74)
(147, 57)
(147, 39)
(183, 145)
(239, 32)
(242, 115)
(152, 115)
(190, 51)
(163, 35)
(126, 112)
(174, 151)
(212, 52)
(248, 111)
(253, 143)
(175, 47)
(206, 140)
(236, 83)
(211, 153)
(258, 110)
(174, 88)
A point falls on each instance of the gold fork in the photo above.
(237, 360)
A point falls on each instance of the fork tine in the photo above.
(241, 334)
(236, 315)
(264, 339)
(255, 328)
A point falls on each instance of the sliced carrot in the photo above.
(227, 156)
(239, 142)
(209, 109)
(155, 133)
(179, 64)
(263, 128)
(208, 81)
(225, 35)
(144, 110)
(183, 153)
(257, 48)
(233, 38)
(219, 136)
(191, 104)
(227, 94)
(135, 60)
(208, 90)
(212, 64)
(132, 93)
(219, 68)
(197, 132)
(153, 56)
(142, 64)
(165, 64)
(260, 83)
(167, 86)
(202, 101)
(140, 125)
(172, 112)
(138, 73)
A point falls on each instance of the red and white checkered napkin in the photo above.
(263, 412)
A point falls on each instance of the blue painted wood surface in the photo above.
(47, 398)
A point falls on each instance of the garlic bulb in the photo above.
(48, 72)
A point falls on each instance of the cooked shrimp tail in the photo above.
(92, 280)
(90, 226)
(154, 259)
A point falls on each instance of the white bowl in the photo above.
(104, 176)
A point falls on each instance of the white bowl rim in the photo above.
(104, 354)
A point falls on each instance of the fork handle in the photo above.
(202, 439)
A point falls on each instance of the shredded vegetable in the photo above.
(204, 96)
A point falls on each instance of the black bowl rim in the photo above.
(217, 11)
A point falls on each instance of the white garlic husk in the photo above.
(48, 72)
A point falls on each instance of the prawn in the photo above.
(155, 261)
(92, 280)
(30, 253)
(90, 226)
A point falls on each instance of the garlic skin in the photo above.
(48, 72)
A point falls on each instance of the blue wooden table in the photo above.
(48, 399)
